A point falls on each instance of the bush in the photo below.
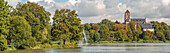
(46, 45)
(56, 46)
(140, 41)
(135, 38)
(146, 38)
(129, 40)
(154, 38)
(46, 41)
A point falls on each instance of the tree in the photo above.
(138, 27)
(112, 36)
(3, 43)
(37, 18)
(108, 23)
(4, 24)
(20, 33)
(66, 26)
(95, 27)
(87, 27)
(132, 25)
(129, 33)
(104, 32)
(135, 38)
(118, 27)
(91, 36)
(120, 35)
(96, 36)
(138, 34)
(145, 35)
(161, 30)
(117, 22)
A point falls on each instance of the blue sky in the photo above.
(24, 1)
(121, 0)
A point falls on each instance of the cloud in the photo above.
(165, 2)
(48, 1)
(166, 20)
(156, 10)
(90, 10)
(13, 2)
(73, 2)
(34, 0)
(143, 8)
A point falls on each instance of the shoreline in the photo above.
(89, 44)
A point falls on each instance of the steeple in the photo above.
(127, 17)
(127, 11)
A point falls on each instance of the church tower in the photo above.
(127, 17)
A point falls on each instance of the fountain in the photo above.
(84, 40)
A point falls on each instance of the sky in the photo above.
(93, 11)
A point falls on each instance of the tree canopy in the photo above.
(4, 24)
(66, 26)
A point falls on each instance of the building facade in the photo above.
(141, 21)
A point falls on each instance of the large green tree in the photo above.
(104, 32)
(37, 17)
(20, 33)
(4, 23)
(108, 23)
(66, 26)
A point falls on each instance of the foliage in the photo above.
(145, 35)
(66, 26)
(132, 25)
(135, 38)
(46, 45)
(37, 18)
(110, 31)
(4, 24)
(161, 30)
(138, 27)
(3, 43)
(20, 32)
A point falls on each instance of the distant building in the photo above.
(141, 21)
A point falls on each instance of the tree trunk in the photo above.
(64, 42)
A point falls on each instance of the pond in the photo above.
(108, 48)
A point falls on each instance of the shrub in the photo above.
(56, 46)
(46, 45)
(135, 38)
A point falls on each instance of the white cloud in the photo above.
(13, 2)
(48, 1)
(166, 20)
(166, 2)
(73, 2)
(90, 10)
(34, 0)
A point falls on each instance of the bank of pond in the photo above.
(102, 47)
(76, 45)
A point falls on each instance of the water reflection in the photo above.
(108, 48)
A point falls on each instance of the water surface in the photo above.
(108, 48)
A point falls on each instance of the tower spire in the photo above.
(127, 17)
